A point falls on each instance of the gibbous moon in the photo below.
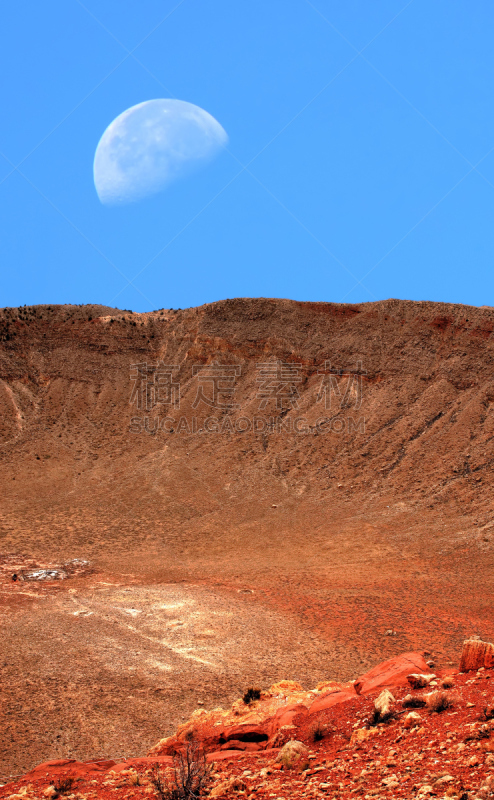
(152, 144)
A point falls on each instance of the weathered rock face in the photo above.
(244, 727)
(271, 720)
(390, 673)
(476, 654)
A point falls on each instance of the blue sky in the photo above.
(360, 163)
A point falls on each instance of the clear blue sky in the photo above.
(347, 177)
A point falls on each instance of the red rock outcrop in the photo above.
(284, 704)
(476, 654)
(390, 673)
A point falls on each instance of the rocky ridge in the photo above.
(377, 737)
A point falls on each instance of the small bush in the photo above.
(438, 702)
(251, 694)
(191, 775)
(318, 731)
(448, 682)
(64, 784)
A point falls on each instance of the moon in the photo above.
(152, 144)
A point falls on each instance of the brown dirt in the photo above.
(283, 555)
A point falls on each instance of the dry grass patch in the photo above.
(439, 701)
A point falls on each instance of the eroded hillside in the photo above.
(331, 464)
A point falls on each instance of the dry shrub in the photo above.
(410, 701)
(160, 783)
(448, 682)
(318, 731)
(191, 775)
(251, 694)
(64, 784)
(438, 702)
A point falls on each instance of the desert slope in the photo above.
(357, 500)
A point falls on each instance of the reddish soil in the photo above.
(268, 554)
(447, 754)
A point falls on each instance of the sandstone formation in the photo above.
(256, 726)
(476, 654)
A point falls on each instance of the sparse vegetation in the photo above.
(318, 731)
(251, 694)
(64, 784)
(413, 702)
(438, 702)
(191, 775)
(448, 682)
(160, 783)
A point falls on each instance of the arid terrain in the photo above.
(218, 524)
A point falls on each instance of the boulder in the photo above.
(294, 755)
(418, 680)
(362, 734)
(476, 654)
(383, 704)
(285, 734)
(390, 673)
(411, 720)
